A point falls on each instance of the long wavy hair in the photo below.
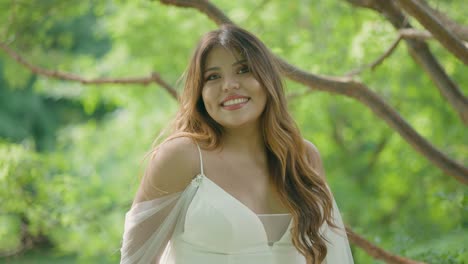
(298, 185)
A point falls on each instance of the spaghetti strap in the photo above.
(201, 160)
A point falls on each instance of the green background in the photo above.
(71, 154)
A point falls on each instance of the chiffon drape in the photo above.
(153, 231)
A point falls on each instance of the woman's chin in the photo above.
(237, 124)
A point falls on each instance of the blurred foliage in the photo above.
(71, 154)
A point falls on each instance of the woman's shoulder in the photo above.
(178, 156)
(177, 149)
(170, 169)
(311, 150)
(313, 156)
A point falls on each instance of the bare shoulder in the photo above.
(170, 169)
(313, 156)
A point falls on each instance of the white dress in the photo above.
(206, 225)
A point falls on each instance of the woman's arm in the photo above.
(149, 223)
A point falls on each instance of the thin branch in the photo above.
(443, 34)
(378, 61)
(420, 52)
(405, 33)
(153, 78)
(377, 252)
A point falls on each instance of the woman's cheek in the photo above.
(207, 97)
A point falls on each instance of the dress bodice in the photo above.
(204, 224)
(220, 226)
(214, 213)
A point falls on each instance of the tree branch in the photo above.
(411, 33)
(444, 35)
(378, 61)
(406, 33)
(347, 87)
(204, 6)
(154, 77)
(369, 98)
(377, 252)
(423, 56)
(460, 30)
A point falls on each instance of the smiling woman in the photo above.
(231, 94)
(235, 182)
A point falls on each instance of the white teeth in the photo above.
(235, 101)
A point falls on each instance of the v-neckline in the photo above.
(250, 211)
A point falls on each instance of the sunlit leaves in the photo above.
(76, 193)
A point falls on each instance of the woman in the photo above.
(259, 194)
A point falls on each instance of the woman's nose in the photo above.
(230, 83)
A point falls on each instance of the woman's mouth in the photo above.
(234, 104)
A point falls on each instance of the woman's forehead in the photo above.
(223, 51)
(222, 55)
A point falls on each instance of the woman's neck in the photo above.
(244, 140)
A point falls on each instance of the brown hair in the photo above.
(300, 188)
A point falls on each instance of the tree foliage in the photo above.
(71, 153)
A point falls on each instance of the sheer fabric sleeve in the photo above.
(149, 226)
(337, 245)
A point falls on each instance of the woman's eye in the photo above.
(244, 69)
(212, 77)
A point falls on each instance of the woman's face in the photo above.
(231, 94)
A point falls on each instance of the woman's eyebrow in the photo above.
(239, 62)
(211, 69)
(217, 68)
